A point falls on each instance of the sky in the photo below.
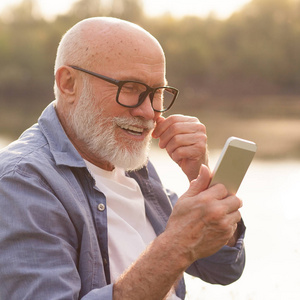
(178, 8)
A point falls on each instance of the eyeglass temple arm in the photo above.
(110, 80)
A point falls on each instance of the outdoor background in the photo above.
(239, 74)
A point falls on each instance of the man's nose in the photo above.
(144, 110)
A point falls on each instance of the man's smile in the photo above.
(132, 129)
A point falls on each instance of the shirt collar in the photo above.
(62, 149)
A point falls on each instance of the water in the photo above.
(271, 211)
(3, 142)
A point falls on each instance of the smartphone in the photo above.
(233, 163)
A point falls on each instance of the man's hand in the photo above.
(203, 220)
(184, 138)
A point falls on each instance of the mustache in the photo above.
(134, 121)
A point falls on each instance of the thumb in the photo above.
(201, 183)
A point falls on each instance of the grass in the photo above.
(275, 138)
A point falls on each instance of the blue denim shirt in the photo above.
(53, 221)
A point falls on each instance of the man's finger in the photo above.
(200, 183)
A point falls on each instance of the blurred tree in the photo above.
(22, 55)
(131, 10)
(86, 8)
(27, 11)
(255, 51)
(264, 37)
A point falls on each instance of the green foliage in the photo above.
(254, 52)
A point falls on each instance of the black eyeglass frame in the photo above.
(119, 83)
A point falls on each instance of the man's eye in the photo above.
(133, 88)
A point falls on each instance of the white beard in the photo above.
(98, 134)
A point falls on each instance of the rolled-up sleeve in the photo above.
(225, 266)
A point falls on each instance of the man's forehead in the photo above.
(124, 50)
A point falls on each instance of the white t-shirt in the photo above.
(129, 230)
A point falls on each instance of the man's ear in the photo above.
(67, 83)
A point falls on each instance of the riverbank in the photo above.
(271, 121)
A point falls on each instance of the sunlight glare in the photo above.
(199, 8)
(176, 8)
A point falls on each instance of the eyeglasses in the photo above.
(133, 93)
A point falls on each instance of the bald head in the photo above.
(105, 40)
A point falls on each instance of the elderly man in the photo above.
(83, 214)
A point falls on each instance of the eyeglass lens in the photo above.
(132, 93)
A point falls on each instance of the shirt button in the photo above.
(101, 207)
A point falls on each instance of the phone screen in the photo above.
(232, 167)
